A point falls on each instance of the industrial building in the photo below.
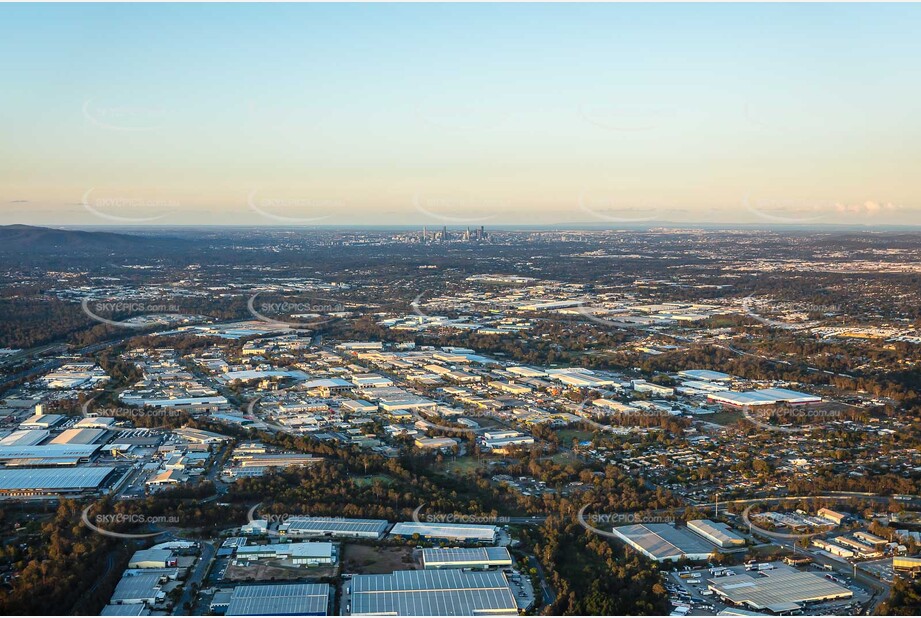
(139, 587)
(334, 527)
(466, 557)
(833, 548)
(279, 600)
(831, 515)
(41, 482)
(304, 554)
(79, 436)
(905, 564)
(763, 397)
(435, 443)
(152, 559)
(25, 437)
(449, 592)
(716, 532)
(781, 590)
(471, 533)
(661, 542)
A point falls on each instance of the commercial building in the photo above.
(905, 564)
(79, 436)
(705, 374)
(307, 527)
(831, 515)
(304, 554)
(137, 587)
(25, 437)
(449, 592)
(781, 590)
(763, 397)
(466, 557)
(279, 600)
(833, 548)
(470, 533)
(152, 559)
(661, 542)
(41, 482)
(716, 532)
(435, 443)
(42, 421)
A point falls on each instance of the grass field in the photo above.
(567, 435)
(725, 417)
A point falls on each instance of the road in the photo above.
(195, 579)
(546, 590)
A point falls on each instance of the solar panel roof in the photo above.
(432, 593)
(279, 600)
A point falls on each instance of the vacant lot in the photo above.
(376, 560)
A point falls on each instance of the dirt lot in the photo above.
(376, 560)
(264, 570)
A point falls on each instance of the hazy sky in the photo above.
(459, 114)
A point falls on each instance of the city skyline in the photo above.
(459, 115)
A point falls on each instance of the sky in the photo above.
(474, 114)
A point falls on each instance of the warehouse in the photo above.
(450, 592)
(79, 436)
(96, 422)
(705, 374)
(334, 527)
(781, 590)
(472, 533)
(466, 557)
(47, 454)
(717, 533)
(41, 482)
(152, 559)
(279, 600)
(662, 542)
(763, 397)
(903, 563)
(42, 421)
(435, 443)
(139, 587)
(25, 437)
(304, 554)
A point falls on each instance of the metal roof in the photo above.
(279, 600)
(333, 525)
(663, 541)
(778, 589)
(432, 593)
(48, 451)
(465, 555)
(73, 478)
(445, 531)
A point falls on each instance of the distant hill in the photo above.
(34, 240)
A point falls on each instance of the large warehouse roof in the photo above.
(466, 555)
(279, 600)
(51, 479)
(333, 526)
(470, 532)
(778, 590)
(433, 593)
(48, 451)
(664, 542)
